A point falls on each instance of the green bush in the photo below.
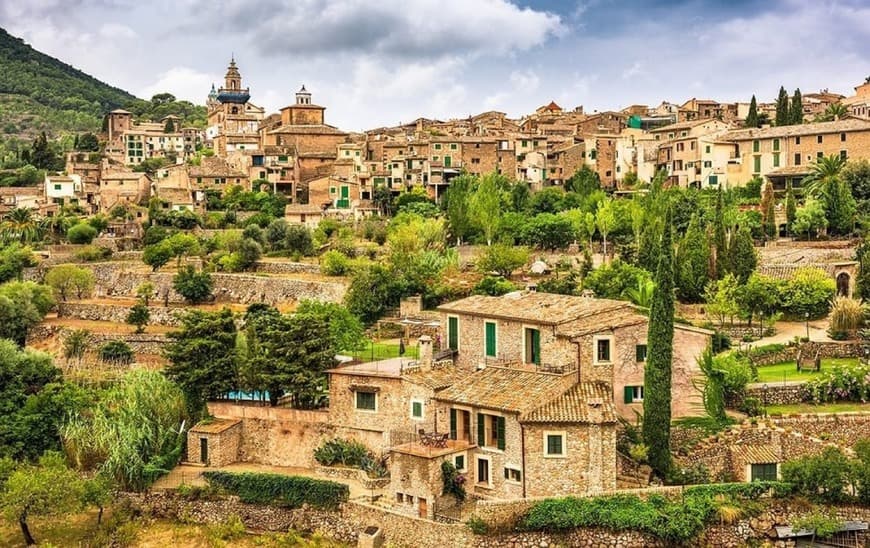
(343, 452)
(93, 253)
(287, 491)
(493, 286)
(82, 233)
(843, 383)
(334, 263)
(116, 352)
(822, 478)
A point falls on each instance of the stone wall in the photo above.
(120, 279)
(276, 436)
(773, 394)
(117, 313)
(141, 343)
(589, 463)
(840, 428)
(827, 349)
(271, 267)
(401, 530)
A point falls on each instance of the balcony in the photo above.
(412, 443)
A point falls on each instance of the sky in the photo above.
(383, 62)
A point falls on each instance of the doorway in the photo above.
(203, 450)
(843, 282)
(422, 507)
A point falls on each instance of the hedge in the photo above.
(286, 491)
(675, 521)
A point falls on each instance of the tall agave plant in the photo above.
(847, 316)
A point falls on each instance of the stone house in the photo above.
(596, 340)
(124, 188)
(215, 442)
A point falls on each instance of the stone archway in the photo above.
(844, 286)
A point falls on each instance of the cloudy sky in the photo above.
(381, 62)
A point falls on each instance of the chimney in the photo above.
(426, 358)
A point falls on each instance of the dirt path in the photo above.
(787, 331)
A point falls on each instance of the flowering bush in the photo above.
(849, 383)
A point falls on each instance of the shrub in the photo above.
(822, 478)
(343, 452)
(847, 316)
(116, 352)
(493, 286)
(502, 259)
(737, 373)
(454, 482)
(287, 491)
(334, 263)
(93, 253)
(477, 525)
(81, 233)
(808, 292)
(843, 383)
(194, 286)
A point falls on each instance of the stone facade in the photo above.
(589, 463)
(215, 442)
(116, 313)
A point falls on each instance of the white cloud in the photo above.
(183, 82)
(524, 81)
(117, 31)
(635, 69)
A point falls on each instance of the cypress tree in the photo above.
(657, 374)
(797, 108)
(768, 213)
(693, 263)
(648, 250)
(783, 115)
(752, 116)
(720, 249)
(790, 207)
(743, 257)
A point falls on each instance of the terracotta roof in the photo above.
(316, 129)
(603, 321)
(790, 170)
(504, 389)
(175, 195)
(787, 271)
(682, 125)
(437, 379)
(589, 402)
(214, 167)
(850, 124)
(542, 308)
(302, 208)
(120, 175)
(756, 454)
(215, 426)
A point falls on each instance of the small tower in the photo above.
(303, 97)
(212, 100)
(233, 80)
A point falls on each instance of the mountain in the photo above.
(41, 93)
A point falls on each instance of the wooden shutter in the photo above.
(499, 428)
(629, 394)
(453, 333)
(481, 430)
(490, 339)
(453, 424)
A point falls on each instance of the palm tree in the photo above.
(57, 225)
(20, 225)
(834, 111)
(642, 294)
(824, 174)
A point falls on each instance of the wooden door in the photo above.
(203, 450)
(421, 502)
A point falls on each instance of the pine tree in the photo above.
(768, 213)
(790, 207)
(796, 115)
(840, 208)
(41, 155)
(693, 263)
(657, 374)
(783, 116)
(752, 116)
(720, 249)
(743, 258)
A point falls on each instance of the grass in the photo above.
(787, 371)
(385, 350)
(838, 407)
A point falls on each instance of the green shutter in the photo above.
(536, 347)
(640, 352)
(416, 409)
(490, 339)
(499, 426)
(628, 393)
(453, 424)
(481, 430)
(453, 333)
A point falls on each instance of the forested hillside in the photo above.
(41, 93)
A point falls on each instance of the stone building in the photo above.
(233, 121)
(215, 442)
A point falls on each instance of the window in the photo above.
(554, 444)
(797, 158)
(707, 149)
(490, 431)
(633, 394)
(532, 346)
(453, 146)
(763, 472)
(366, 401)
(756, 146)
(843, 137)
(512, 475)
(683, 133)
(332, 190)
(57, 187)
(475, 160)
(819, 139)
(417, 409)
(843, 154)
(524, 144)
(593, 154)
(820, 154)
(708, 163)
(453, 333)
(776, 144)
(640, 352)
(483, 470)
(776, 159)
(459, 462)
(490, 347)
(713, 180)
(602, 349)
(797, 140)
(692, 145)
(756, 164)
(437, 146)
